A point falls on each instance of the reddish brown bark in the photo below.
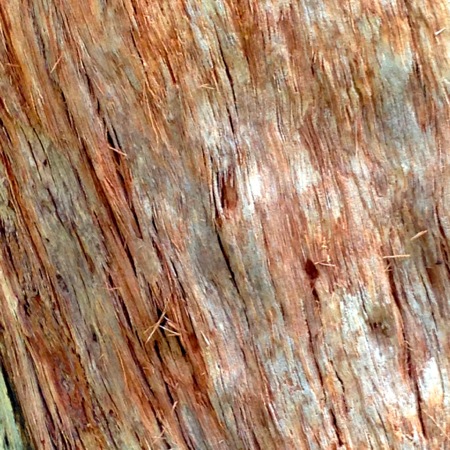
(224, 225)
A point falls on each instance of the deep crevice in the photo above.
(311, 270)
(125, 314)
(313, 273)
(410, 368)
(19, 417)
(342, 386)
(420, 413)
(336, 428)
(227, 70)
(228, 263)
(445, 256)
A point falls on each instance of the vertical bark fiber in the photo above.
(224, 224)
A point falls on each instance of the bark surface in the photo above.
(224, 224)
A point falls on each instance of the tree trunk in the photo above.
(225, 224)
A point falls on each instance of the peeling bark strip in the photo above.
(224, 225)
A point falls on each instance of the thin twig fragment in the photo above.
(418, 235)
(396, 256)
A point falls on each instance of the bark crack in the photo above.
(409, 363)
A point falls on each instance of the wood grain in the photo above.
(202, 209)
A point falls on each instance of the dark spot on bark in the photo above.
(193, 341)
(381, 327)
(431, 272)
(62, 284)
(26, 308)
(311, 270)
(228, 190)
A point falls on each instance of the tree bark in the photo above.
(224, 225)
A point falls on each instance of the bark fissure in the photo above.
(411, 369)
(227, 71)
(19, 418)
(443, 246)
(228, 263)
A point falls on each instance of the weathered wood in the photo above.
(224, 225)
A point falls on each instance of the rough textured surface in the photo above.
(202, 208)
